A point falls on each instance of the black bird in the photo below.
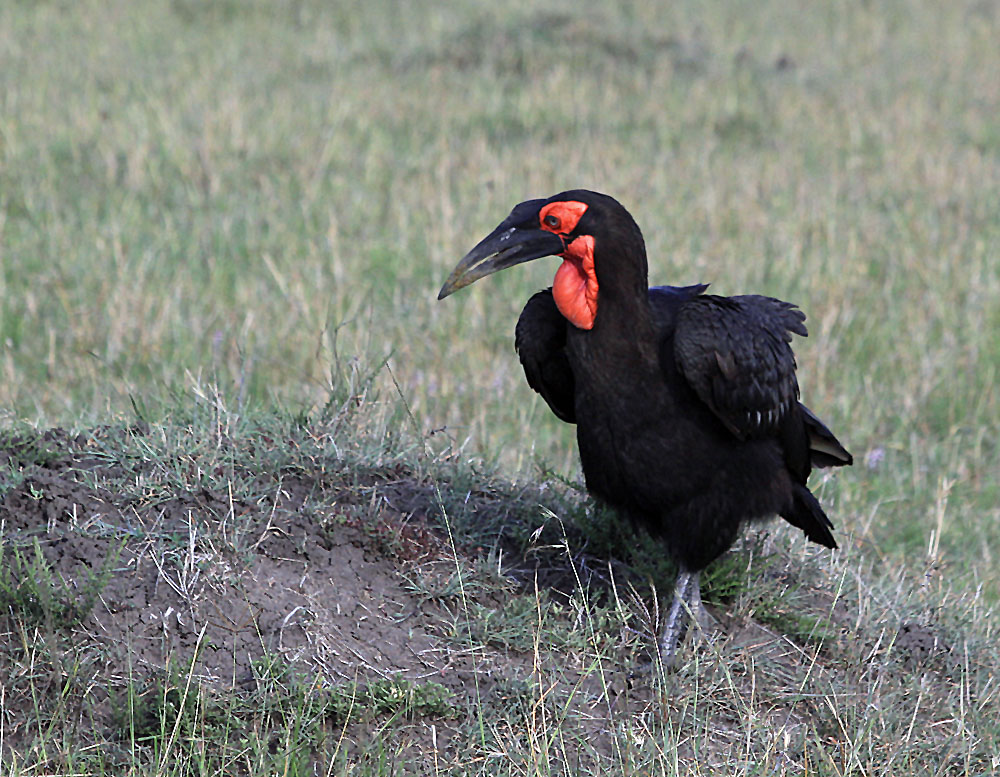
(686, 403)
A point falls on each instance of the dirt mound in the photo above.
(211, 587)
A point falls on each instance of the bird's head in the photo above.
(572, 225)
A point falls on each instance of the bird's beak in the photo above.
(504, 247)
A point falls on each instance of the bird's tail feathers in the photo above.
(807, 514)
(825, 450)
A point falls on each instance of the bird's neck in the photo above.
(624, 333)
(622, 342)
(616, 360)
(623, 292)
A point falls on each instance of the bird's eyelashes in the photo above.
(552, 221)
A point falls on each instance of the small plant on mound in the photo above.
(32, 590)
(22, 452)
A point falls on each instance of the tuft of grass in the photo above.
(150, 712)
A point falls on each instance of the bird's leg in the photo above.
(703, 620)
(687, 601)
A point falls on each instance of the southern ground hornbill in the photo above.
(685, 403)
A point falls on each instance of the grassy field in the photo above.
(228, 221)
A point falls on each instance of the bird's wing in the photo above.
(540, 340)
(735, 353)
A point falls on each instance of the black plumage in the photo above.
(686, 403)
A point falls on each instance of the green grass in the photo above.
(250, 206)
(527, 644)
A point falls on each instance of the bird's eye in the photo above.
(552, 221)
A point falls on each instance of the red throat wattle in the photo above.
(575, 285)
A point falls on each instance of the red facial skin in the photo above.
(574, 288)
